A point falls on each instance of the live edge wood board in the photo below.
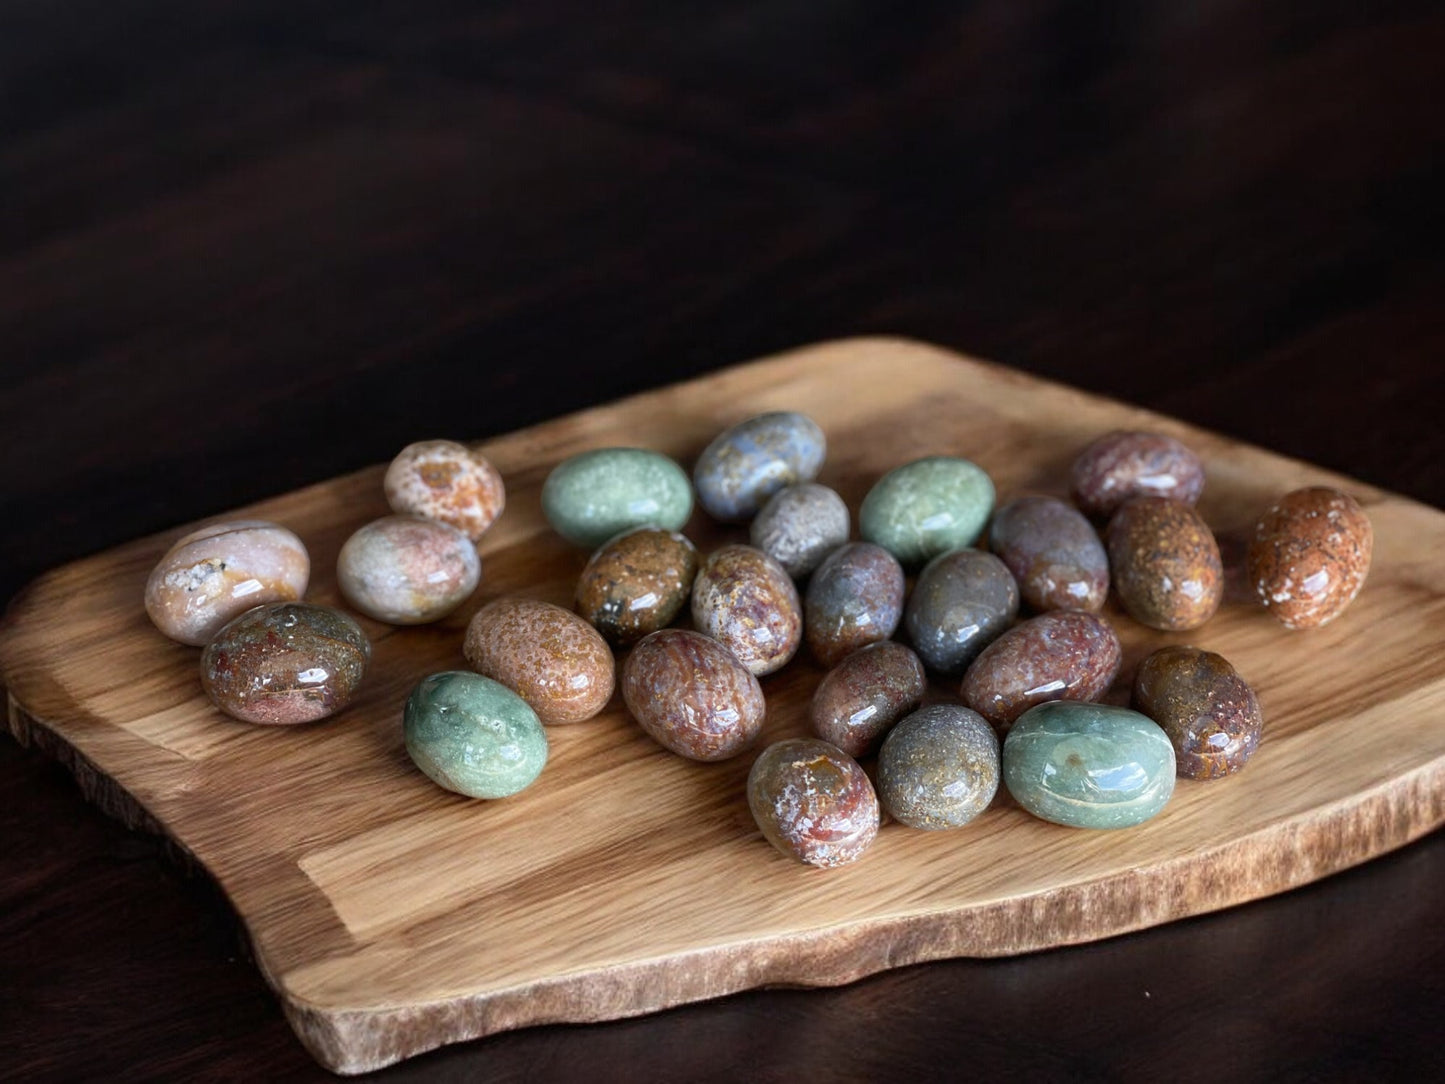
(392, 917)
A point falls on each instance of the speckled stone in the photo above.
(1165, 563)
(743, 599)
(1126, 464)
(1053, 552)
(813, 802)
(939, 767)
(860, 699)
(962, 602)
(799, 526)
(474, 736)
(1210, 713)
(285, 663)
(1088, 765)
(855, 598)
(637, 583)
(550, 657)
(1309, 556)
(692, 695)
(219, 572)
(927, 507)
(446, 481)
(747, 464)
(407, 571)
(594, 496)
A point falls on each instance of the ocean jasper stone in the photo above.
(637, 583)
(927, 507)
(220, 571)
(799, 526)
(855, 598)
(285, 663)
(813, 802)
(446, 481)
(597, 495)
(1088, 765)
(1126, 464)
(962, 602)
(1309, 556)
(860, 699)
(472, 735)
(692, 695)
(1053, 552)
(939, 767)
(548, 656)
(1165, 563)
(407, 571)
(1209, 712)
(743, 599)
(747, 464)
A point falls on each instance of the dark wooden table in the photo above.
(247, 246)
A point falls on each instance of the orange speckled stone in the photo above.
(746, 601)
(1210, 713)
(1165, 563)
(637, 583)
(692, 695)
(548, 656)
(1309, 556)
(446, 481)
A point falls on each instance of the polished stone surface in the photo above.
(861, 698)
(1209, 712)
(1053, 552)
(1309, 556)
(961, 602)
(473, 735)
(637, 583)
(799, 526)
(927, 507)
(744, 599)
(939, 767)
(813, 802)
(1165, 563)
(855, 598)
(594, 496)
(407, 571)
(446, 481)
(1129, 463)
(748, 463)
(692, 695)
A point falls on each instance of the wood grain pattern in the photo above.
(392, 917)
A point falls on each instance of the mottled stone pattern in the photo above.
(473, 735)
(594, 496)
(813, 802)
(860, 699)
(855, 598)
(1126, 464)
(1165, 563)
(692, 695)
(1053, 552)
(636, 583)
(962, 602)
(550, 657)
(1088, 765)
(799, 526)
(446, 481)
(1062, 655)
(1309, 556)
(743, 599)
(407, 571)
(927, 507)
(747, 464)
(285, 663)
(939, 768)
(222, 570)
(1210, 713)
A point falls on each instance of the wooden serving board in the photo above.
(392, 917)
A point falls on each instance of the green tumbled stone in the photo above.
(592, 497)
(473, 735)
(1088, 765)
(927, 507)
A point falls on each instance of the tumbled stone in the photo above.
(550, 657)
(1126, 464)
(799, 526)
(962, 602)
(1165, 563)
(1210, 713)
(855, 598)
(748, 463)
(692, 695)
(860, 699)
(445, 481)
(407, 571)
(1309, 556)
(1053, 552)
(743, 599)
(594, 496)
(939, 767)
(927, 507)
(473, 735)
(636, 583)
(813, 802)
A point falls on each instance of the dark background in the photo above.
(250, 245)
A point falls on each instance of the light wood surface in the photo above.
(392, 917)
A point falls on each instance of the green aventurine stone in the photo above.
(1088, 765)
(927, 507)
(473, 735)
(591, 497)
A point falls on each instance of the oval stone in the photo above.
(855, 598)
(813, 802)
(446, 481)
(939, 767)
(1126, 464)
(962, 602)
(860, 699)
(1309, 556)
(548, 656)
(407, 571)
(636, 583)
(747, 464)
(799, 526)
(594, 496)
(927, 507)
(1165, 563)
(743, 599)
(1053, 552)
(1210, 713)
(473, 735)
(692, 695)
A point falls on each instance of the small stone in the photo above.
(407, 571)
(636, 583)
(855, 598)
(813, 802)
(1310, 555)
(799, 526)
(692, 695)
(1165, 563)
(595, 496)
(474, 736)
(550, 657)
(1053, 553)
(1210, 713)
(743, 599)
(939, 767)
(860, 699)
(448, 482)
(927, 507)
(748, 463)
(1126, 464)
(962, 602)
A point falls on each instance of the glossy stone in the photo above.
(594, 496)
(743, 599)
(1088, 765)
(473, 735)
(927, 507)
(1126, 464)
(1309, 556)
(637, 583)
(285, 663)
(446, 481)
(1053, 552)
(860, 699)
(813, 802)
(550, 657)
(747, 464)
(1061, 655)
(692, 695)
(799, 526)
(1209, 712)
(939, 767)
(1165, 563)
(219, 572)
(961, 603)
(855, 598)
(407, 571)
